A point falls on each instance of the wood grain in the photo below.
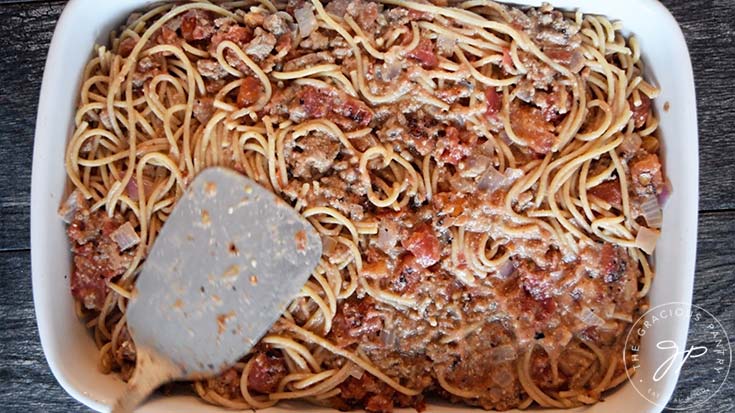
(28, 385)
(25, 33)
(713, 286)
(709, 27)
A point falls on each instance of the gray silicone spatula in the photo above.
(227, 262)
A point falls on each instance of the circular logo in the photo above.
(707, 349)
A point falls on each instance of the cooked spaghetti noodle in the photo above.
(485, 179)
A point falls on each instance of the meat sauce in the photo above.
(470, 334)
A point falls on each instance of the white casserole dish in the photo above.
(70, 350)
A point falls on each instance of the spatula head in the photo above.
(227, 262)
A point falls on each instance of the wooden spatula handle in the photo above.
(150, 373)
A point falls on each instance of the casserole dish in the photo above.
(71, 353)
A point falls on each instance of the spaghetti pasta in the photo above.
(477, 173)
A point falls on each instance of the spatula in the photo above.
(227, 262)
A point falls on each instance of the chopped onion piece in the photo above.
(512, 174)
(502, 376)
(460, 184)
(506, 269)
(445, 44)
(503, 353)
(646, 239)
(488, 147)
(391, 68)
(387, 235)
(356, 371)
(328, 245)
(665, 193)
(652, 211)
(306, 20)
(132, 188)
(125, 236)
(588, 317)
(388, 338)
(73, 203)
(608, 310)
(611, 325)
(630, 144)
(563, 336)
(474, 166)
(492, 179)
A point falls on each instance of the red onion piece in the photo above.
(306, 20)
(474, 166)
(460, 184)
(387, 235)
(588, 317)
(630, 144)
(356, 371)
(73, 203)
(492, 179)
(328, 245)
(125, 236)
(652, 211)
(665, 194)
(506, 269)
(503, 353)
(646, 239)
(392, 68)
(445, 44)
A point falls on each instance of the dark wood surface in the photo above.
(25, 33)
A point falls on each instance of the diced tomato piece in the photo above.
(266, 371)
(379, 402)
(188, 24)
(97, 257)
(374, 270)
(554, 104)
(425, 54)
(284, 42)
(451, 149)
(572, 59)
(540, 308)
(493, 101)
(445, 203)
(227, 384)
(640, 112)
(611, 264)
(424, 245)
(507, 60)
(535, 281)
(126, 46)
(355, 111)
(168, 36)
(354, 320)
(536, 292)
(196, 25)
(530, 126)
(237, 34)
(250, 90)
(319, 103)
(408, 274)
(315, 103)
(87, 286)
(608, 191)
(417, 15)
(646, 173)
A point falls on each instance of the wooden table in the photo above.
(25, 32)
